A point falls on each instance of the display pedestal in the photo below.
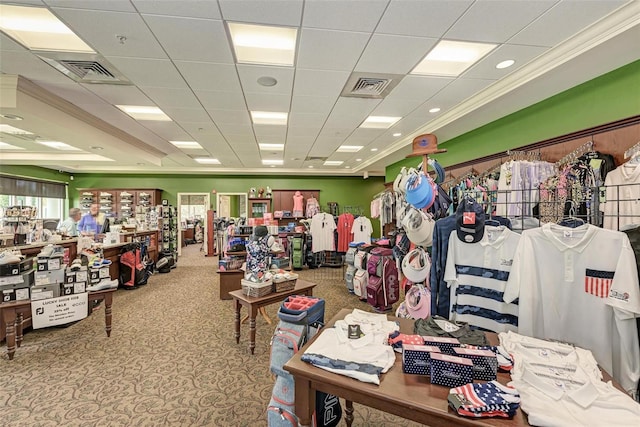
(230, 281)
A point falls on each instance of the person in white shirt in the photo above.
(69, 227)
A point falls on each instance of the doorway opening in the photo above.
(192, 219)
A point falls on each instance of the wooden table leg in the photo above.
(252, 329)
(348, 412)
(305, 401)
(19, 320)
(236, 306)
(108, 301)
(9, 316)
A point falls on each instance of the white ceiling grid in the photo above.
(178, 56)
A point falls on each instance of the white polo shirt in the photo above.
(362, 229)
(622, 205)
(580, 285)
(322, 232)
(477, 275)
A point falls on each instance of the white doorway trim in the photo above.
(207, 206)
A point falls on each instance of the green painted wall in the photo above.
(607, 98)
(35, 172)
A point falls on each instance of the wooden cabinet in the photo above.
(120, 202)
(258, 207)
(283, 201)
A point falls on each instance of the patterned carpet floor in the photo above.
(171, 360)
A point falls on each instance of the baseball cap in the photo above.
(260, 231)
(470, 219)
(419, 227)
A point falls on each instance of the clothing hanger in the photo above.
(571, 221)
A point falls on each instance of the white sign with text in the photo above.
(58, 311)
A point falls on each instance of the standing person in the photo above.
(91, 223)
(69, 226)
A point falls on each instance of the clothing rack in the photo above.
(576, 153)
(354, 210)
(524, 155)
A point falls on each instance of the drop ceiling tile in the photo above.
(249, 75)
(297, 119)
(459, 90)
(362, 15)
(164, 130)
(99, 29)
(312, 104)
(395, 107)
(330, 50)
(563, 20)
(8, 44)
(187, 8)
(118, 95)
(276, 12)
(319, 83)
(176, 98)
(350, 112)
(421, 18)
(191, 39)
(230, 129)
(405, 52)
(149, 72)
(112, 5)
(268, 102)
(207, 76)
(31, 67)
(486, 68)
(187, 114)
(277, 133)
(232, 117)
(221, 100)
(206, 131)
(495, 21)
(418, 87)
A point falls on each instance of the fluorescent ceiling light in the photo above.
(190, 145)
(379, 122)
(274, 162)
(434, 110)
(333, 162)
(273, 147)
(38, 29)
(349, 148)
(262, 44)
(268, 118)
(207, 161)
(5, 146)
(58, 145)
(397, 134)
(505, 64)
(14, 131)
(451, 58)
(140, 112)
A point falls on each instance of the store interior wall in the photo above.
(607, 98)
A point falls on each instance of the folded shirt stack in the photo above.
(490, 399)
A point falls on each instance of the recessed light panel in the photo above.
(397, 134)
(188, 145)
(268, 118)
(379, 122)
(207, 161)
(140, 112)
(450, 58)
(58, 145)
(5, 146)
(262, 44)
(349, 148)
(333, 162)
(272, 147)
(38, 29)
(13, 130)
(274, 162)
(505, 64)
(434, 110)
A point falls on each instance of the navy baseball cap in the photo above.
(470, 218)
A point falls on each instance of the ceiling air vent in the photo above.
(84, 68)
(315, 159)
(370, 85)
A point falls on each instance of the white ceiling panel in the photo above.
(330, 50)
(495, 21)
(8, 44)
(230, 130)
(165, 130)
(486, 68)
(421, 18)
(149, 72)
(30, 67)
(350, 112)
(119, 95)
(188, 8)
(312, 104)
(100, 31)
(396, 107)
(273, 132)
(221, 100)
(74, 93)
(268, 102)
(176, 98)
(112, 5)
(232, 117)
(393, 54)
(306, 120)
(191, 39)
(418, 87)
(187, 114)
(207, 76)
(249, 75)
(361, 15)
(276, 12)
(320, 83)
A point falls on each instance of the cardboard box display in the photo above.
(96, 274)
(16, 268)
(445, 344)
(49, 277)
(48, 264)
(81, 275)
(26, 279)
(73, 288)
(485, 363)
(450, 371)
(416, 358)
(14, 292)
(39, 292)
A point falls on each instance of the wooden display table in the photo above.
(13, 316)
(230, 281)
(254, 303)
